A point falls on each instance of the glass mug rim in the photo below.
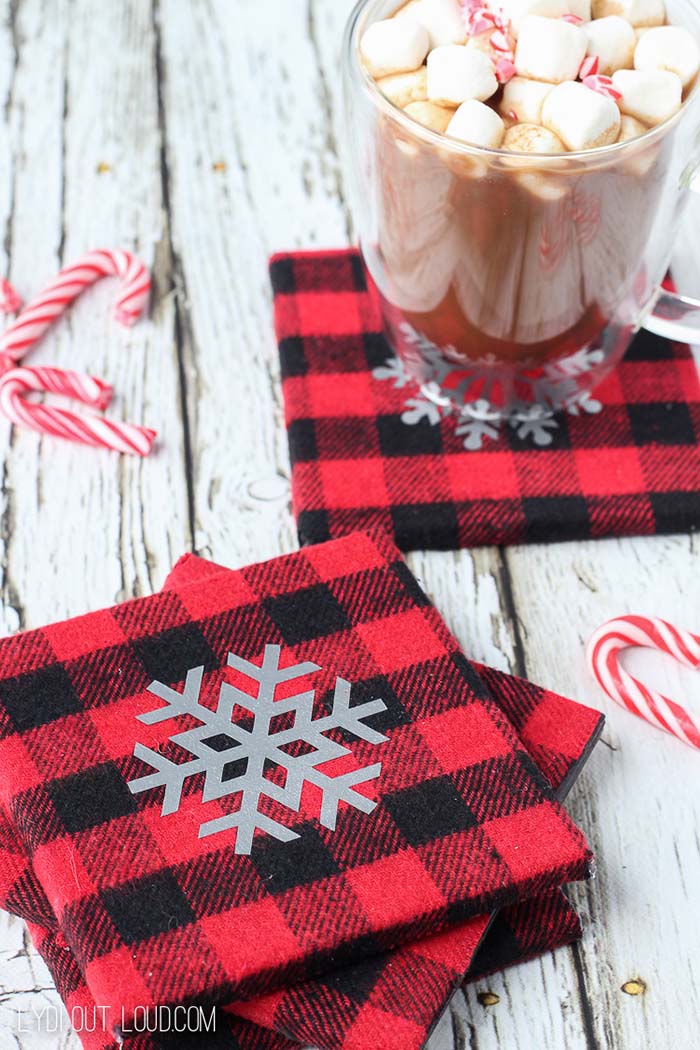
(353, 65)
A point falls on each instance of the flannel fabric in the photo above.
(395, 1000)
(519, 932)
(558, 733)
(525, 709)
(632, 469)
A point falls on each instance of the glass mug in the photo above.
(511, 284)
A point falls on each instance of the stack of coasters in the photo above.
(456, 810)
(368, 451)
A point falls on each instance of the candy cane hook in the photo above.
(38, 316)
(603, 652)
(47, 419)
(10, 300)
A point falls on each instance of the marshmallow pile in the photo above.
(533, 76)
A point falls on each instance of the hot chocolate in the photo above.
(515, 274)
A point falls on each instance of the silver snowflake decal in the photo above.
(534, 422)
(552, 388)
(477, 423)
(395, 370)
(417, 408)
(234, 756)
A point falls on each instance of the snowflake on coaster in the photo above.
(235, 756)
(550, 390)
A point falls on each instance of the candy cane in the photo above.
(89, 430)
(590, 67)
(10, 300)
(38, 316)
(479, 19)
(603, 651)
(603, 86)
(505, 69)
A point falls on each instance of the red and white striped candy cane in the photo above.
(10, 300)
(38, 316)
(47, 419)
(603, 652)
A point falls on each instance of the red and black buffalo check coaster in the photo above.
(519, 932)
(395, 999)
(456, 812)
(408, 987)
(363, 454)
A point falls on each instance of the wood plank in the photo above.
(26, 993)
(638, 800)
(82, 528)
(245, 154)
(122, 519)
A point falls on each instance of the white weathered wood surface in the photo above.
(203, 134)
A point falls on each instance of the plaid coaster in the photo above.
(396, 999)
(519, 932)
(132, 888)
(524, 931)
(558, 733)
(367, 450)
(562, 731)
(405, 993)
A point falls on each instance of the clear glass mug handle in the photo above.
(675, 316)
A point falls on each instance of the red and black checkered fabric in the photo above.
(131, 890)
(633, 469)
(564, 733)
(463, 821)
(558, 733)
(524, 931)
(394, 1000)
(519, 932)
(352, 1009)
(562, 730)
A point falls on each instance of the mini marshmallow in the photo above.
(583, 119)
(442, 20)
(637, 12)
(477, 124)
(613, 41)
(549, 49)
(643, 158)
(516, 10)
(580, 8)
(630, 128)
(671, 48)
(652, 96)
(530, 138)
(406, 146)
(407, 9)
(394, 45)
(545, 186)
(403, 88)
(524, 98)
(456, 74)
(429, 115)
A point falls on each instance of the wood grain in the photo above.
(206, 136)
